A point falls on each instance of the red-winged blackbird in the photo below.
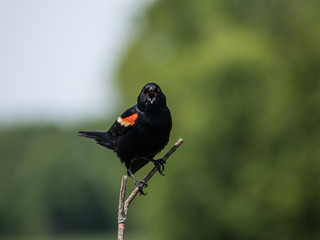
(139, 133)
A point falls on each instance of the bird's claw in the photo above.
(142, 184)
(159, 164)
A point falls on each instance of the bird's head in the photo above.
(151, 97)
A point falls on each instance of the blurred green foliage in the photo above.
(53, 182)
(242, 80)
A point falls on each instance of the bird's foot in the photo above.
(142, 184)
(159, 164)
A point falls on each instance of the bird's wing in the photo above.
(124, 122)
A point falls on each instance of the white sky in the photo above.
(58, 57)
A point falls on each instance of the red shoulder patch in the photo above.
(128, 121)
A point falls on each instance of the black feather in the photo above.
(102, 138)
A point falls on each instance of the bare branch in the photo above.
(124, 205)
(150, 175)
(121, 213)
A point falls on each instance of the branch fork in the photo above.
(125, 203)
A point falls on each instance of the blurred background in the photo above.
(242, 79)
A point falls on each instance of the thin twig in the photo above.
(124, 205)
(121, 212)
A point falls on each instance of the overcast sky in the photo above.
(58, 57)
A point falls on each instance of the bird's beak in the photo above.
(151, 96)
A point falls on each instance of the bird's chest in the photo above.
(151, 127)
(152, 133)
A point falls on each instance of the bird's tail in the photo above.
(103, 138)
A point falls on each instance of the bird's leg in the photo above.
(140, 184)
(159, 164)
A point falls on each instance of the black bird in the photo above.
(139, 133)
